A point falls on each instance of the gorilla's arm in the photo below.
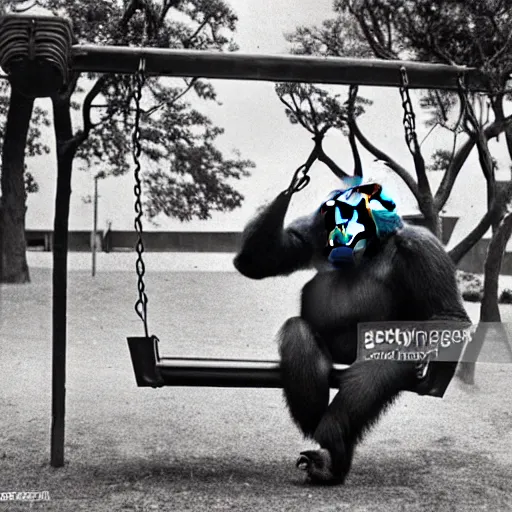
(270, 250)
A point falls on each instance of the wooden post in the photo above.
(59, 327)
(60, 280)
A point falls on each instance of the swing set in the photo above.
(37, 53)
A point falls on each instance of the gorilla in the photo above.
(371, 267)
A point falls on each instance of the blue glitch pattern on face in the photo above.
(352, 219)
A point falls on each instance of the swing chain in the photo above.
(409, 119)
(300, 178)
(141, 304)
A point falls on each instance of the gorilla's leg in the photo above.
(367, 388)
(305, 372)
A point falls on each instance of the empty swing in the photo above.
(152, 370)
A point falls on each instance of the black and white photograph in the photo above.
(256, 256)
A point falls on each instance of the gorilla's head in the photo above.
(354, 217)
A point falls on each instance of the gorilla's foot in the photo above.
(318, 465)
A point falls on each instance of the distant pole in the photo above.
(95, 224)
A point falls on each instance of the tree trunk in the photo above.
(493, 215)
(426, 204)
(433, 223)
(14, 268)
(501, 231)
(499, 113)
(489, 309)
(487, 166)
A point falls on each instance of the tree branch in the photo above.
(389, 30)
(377, 28)
(352, 95)
(296, 112)
(392, 164)
(188, 41)
(150, 14)
(130, 10)
(492, 216)
(443, 57)
(421, 173)
(331, 50)
(380, 51)
(499, 113)
(322, 157)
(445, 188)
(173, 100)
(358, 166)
(313, 114)
(82, 135)
(166, 7)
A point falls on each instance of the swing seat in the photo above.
(153, 371)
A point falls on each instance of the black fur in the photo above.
(305, 368)
(407, 276)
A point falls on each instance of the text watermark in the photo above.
(435, 341)
(25, 496)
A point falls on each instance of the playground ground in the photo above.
(195, 449)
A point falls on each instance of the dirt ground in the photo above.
(195, 449)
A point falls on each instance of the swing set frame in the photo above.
(30, 44)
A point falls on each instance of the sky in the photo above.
(255, 124)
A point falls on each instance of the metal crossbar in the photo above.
(273, 68)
